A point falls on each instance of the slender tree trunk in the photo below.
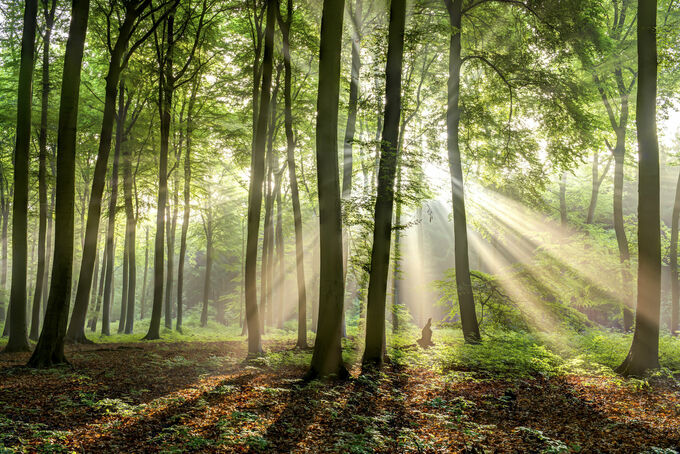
(463, 285)
(208, 228)
(382, 234)
(281, 280)
(50, 347)
(18, 335)
(396, 268)
(673, 260)
(131, 234)
(48, 252)
(644, 351)
(42, 170)
(124, 284)
(563, 199)
(327, 356)
(597, 182)
(146, 268)
(255, 189)
(111, 228)
(165, 91)
(187, 204)
(100, 292)
(292, 177)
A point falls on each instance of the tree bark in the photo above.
(4, 206)
(131, 239)
(255, 189)
(327, 356)
(76, 329)
(673, 260)
(292, 177)
(48, 14)
(124, 285)
(146, 268)
(466, 300)
(50, 347)
(111, 228)
(208, 228)
(187, 204)
(384, 204)
(644, 351)
(18, 334)
(563, 199)
(165, 91)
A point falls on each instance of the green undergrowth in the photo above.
(509, 354)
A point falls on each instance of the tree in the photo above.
(134, 12)
(292, 177)
(327, 356)
(466, 301)
(382, 233)
(257, 171)
(18, 339)
(644, 351)
(50, 348)
(41, 275)
(597, 182)
(673, 263)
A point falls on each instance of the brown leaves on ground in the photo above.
(200, 397)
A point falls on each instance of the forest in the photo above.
(343, 226)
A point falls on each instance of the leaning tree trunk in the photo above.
(50, 347)
(42, 171)
(292, 177)
(644, 351)
(673, 260)
(76, 329)
(255, 189)
(620, 230)
(18, 338)
(100, 291)
(327, 356)
(384, 204)
(466, 300)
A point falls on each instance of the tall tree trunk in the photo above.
(100, 291)
(4, 206)
(281, 280)
(50, 347)
(644, 351)
(111, 228)
(292, 177)
(48, 252)
(384, 204)
(187, 203)
(131, 237)
(146, 268)
(165, 91)
(169, 262)
(255, 189)
(673, 260)
(208, 228)
(76, 329)
(42, 169)
(18, 335)
(396, 267)
(327, 356)
(124, 285)
(466, 300)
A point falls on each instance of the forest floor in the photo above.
(201, 397)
